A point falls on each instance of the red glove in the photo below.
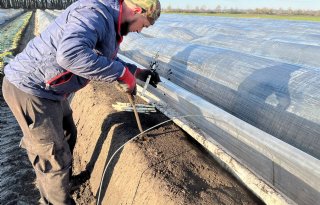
(127, 82)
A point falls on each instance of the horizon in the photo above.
(242, 4)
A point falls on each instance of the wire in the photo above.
(147, 130)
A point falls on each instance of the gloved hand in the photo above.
(142, 74)
(127, 82)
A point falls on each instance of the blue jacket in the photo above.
(79, 46)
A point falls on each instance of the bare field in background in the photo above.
(263, 16)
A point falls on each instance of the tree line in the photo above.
(219, 9)
(35, 4)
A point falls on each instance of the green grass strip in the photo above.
(2, 56)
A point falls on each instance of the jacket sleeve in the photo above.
(75, 52)
(132, 67)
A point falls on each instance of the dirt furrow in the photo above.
(165, 167)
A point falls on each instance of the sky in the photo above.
(243, 4)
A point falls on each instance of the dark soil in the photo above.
(166, 166)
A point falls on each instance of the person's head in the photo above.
(139, 14)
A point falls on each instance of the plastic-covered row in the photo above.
(265, 72)
(43, 19)
(8, 14)
(54, 12)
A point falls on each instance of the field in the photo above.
(164, 164)
(262, 71)
(11, 31)
(262, 16)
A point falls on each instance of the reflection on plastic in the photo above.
(265, 72)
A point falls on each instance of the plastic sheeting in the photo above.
(54, 12)
(289, 41)
(7, 14)
(8, 33)
(46, 19)
(265, 72)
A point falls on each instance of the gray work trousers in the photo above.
(49, 136)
